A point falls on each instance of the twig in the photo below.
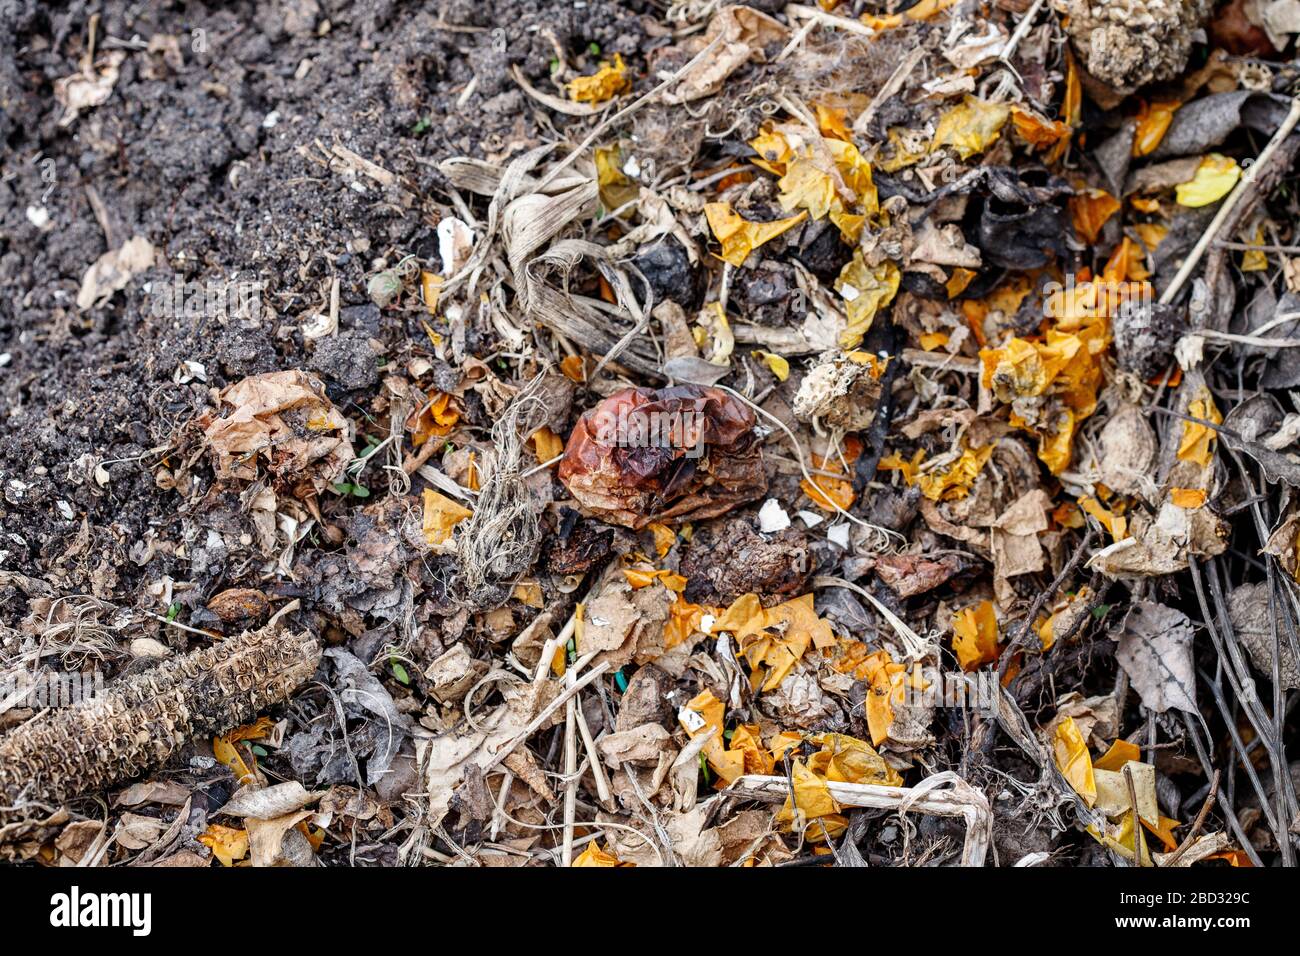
(508, 747)
(626, 111)
(589, 742)
(570, 772)
(1139, 838)
(799, 11)
(892, 86)
(1022, 28)
(1173, 858)
(962, 800)
(1244, 185)
(1021, 639)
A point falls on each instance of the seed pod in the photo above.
(144, 719)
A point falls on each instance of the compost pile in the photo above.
(846, 434)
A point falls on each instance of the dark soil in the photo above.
(207, 147)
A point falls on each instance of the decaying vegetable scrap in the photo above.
(773, 435)
(675, 454)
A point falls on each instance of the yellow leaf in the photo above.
(1090, 211)
(843, 190)
(684, 619)
(1152, 123)
(434, 420)
(665, 538)
(1195, 444)
(845, 759)
(258, 729)
(774, 639)
(805, 186)
(825, 491)
(441, 514)
(1165, 832)
(970, 127)
(616, 190)
(896, 462)
(708, 712)
(1072, 108)
(811, 796)
(954, 482)
(431, 286)
(547, 444)
(1066, 367)
(1254, 260)
(1074, 761)
(528, 593)
(778, 366)
(865, 290)
(746, 741)
(958, 281)
(607, 82)
(640, 577)
(1120, 753)
(593, 855)
(885, 686)
(975, 636)
(574, 368)
(1189, 498)
(1125, 263)
(906, 147)
(773, 150)
(831, 122)
(1115, 524)
(923, 10)
(1214, 179)
(224, 749)
(738, 236)
(1151, 234)
(933, 340)
(1037, 130)
(227, 844)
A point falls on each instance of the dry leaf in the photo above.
(975, 636)
(113, 270)
(738, 236)
(284, 420)
(970, 127)
(1074, 761)
(606, 83)
(1214, 179)
(1155, 650)
(441, 515)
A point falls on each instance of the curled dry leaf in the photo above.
(89, 87)
(284, 423)
(113, 270)
(742, 33)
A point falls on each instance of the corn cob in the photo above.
(142, 720)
